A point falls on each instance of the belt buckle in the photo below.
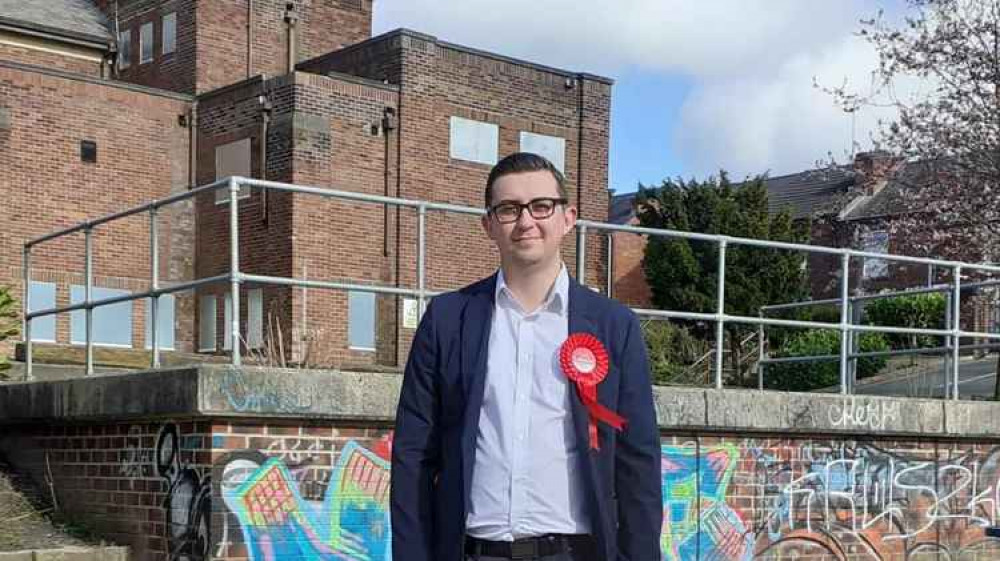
(523, 549)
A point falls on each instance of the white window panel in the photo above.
(43, 297)
(124, 49)
(361, 320)
(206, 319)
(232, 159)
(112, 323)
(875, 242)
(169, 33)
(146, 43)
(255, 318)
(552, 148)
(474, 141)
(227, 324)
(165, 314)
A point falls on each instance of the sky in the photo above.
(700, 86)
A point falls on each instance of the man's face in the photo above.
(528, 241)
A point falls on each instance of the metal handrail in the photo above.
(236, 277)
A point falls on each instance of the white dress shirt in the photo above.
(526, 480)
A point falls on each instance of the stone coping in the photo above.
(106, 553)
(222, 391)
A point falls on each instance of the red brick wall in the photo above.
(769, 496)
(50, 60)
(629, 282)
(174, 71)
(212, 38)
(439, 81)
(142, 154)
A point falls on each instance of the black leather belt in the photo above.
(525, 548)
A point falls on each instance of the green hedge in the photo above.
(919, 310)
(807, 376)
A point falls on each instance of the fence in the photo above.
(235, 277)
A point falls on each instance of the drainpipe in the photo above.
(249, 38)
(265, 122)
(193, 145)
(388, 125)
(291, 20)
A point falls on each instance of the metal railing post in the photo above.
(845, 286)
(154, 280)
(88, 273)
(720, 310)
(421, 260)
(581, 254)
(26, 323)
(956, 319)
(234, 268)
(760, 353)
(946, 373)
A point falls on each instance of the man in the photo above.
(503, 447)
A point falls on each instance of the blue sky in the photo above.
(699, 85)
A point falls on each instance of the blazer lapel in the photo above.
(476, 321)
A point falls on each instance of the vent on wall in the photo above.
(88, 151)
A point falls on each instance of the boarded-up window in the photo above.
(551, 148)
(206, 323)
(169, 33)
(146, 43)
(232, 159)
(164, 322)
(474, 141)
(255, 318)
(112, 323)
(875, 242)
(361, 320)
(43, 297)
(124, 49)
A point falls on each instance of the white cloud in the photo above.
(752, 107)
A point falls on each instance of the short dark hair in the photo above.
(523, 162)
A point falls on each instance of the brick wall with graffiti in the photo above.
(266, 491)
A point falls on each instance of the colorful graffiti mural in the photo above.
(839, 501)
(277, 522)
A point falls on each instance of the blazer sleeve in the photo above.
(416, 449)
(638, 482)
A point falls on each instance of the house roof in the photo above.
(890, 199)
(802, 194)
(71, 19)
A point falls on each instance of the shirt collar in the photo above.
(555, 301)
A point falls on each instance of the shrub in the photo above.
(919, 310)
(807, 376)
(8, 321)
(672, 349)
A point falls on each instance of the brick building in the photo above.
(177, 93)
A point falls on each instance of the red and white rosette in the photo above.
(584, 360)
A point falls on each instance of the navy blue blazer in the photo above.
(437, 421)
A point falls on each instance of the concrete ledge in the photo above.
(106, 553)
(222, 391)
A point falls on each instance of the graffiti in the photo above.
(268, 394)
(350, 522)
(853, 413)
(187, 503)
(136, 461)
(697, 521)
(842, 500)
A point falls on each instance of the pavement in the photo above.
(977, 378)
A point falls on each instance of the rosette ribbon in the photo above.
(584, 360)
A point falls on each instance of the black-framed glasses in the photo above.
(539, 209)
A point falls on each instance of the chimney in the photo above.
(874, 170)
